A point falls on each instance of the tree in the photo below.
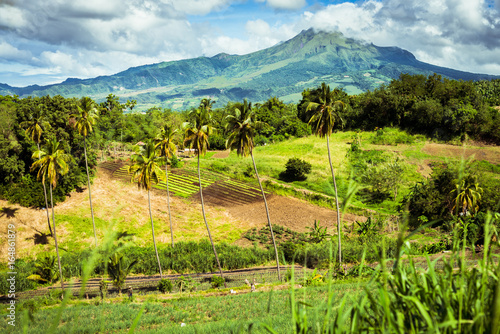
(467, 197)
(145, 171)
(118, 270)
(197, 131)
(295, 170)
(165, 145)
(241, 127)
(323, 112)
(52, 163)
(34, 130)
(85, 117)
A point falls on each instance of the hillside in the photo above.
(119, 205)
(283, 70)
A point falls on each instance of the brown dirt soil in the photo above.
(488, 153)
(290, 212)
(221, 154)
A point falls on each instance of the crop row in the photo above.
(184, 183)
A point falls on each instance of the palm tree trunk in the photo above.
(205, 219)
(46, 204)
(153, 230)
(88, 184)
(168, 205)
(336, 199)
(268, 218)
(55, 238)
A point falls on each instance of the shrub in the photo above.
(47, 269)
(217, 281)
(175, 162)
(186, 284)
(165, 285)
(296, 170)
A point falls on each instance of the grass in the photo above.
(200, 313)
(393, 143)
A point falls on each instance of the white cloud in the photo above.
(198, 7)
(285, 4)
(446, 33)
(11, 17)
(9, 53)
(260, 35)
(87, 38)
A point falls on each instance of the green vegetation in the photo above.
(408, 298)
(295, 170)
(375, 174)
(165, 285)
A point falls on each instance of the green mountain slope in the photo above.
(284, 70)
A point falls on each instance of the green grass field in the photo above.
(223, 313)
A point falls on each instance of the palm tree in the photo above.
(467, 197)
(145, 171)
(51, 163)
(324, 110)
(241, 127)
(167, 148)
(85, 117)
(34, 130)
(197, 132)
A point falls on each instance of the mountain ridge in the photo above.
(283, 70)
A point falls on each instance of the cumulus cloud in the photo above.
(259, 35)
(198, 7)
(448, 33)
(285, 4)
(86, 38)
(11, 53)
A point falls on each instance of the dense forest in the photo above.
(439, 108)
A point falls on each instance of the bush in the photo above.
(165, 285)
(175, 162)
(217, 281)
(296, 170)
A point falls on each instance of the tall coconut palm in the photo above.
(241, 127)
(146, 171)
(165, 145)
(51, 163)
(324, 111)
(85, 116)
(34, 130)
(198, 129)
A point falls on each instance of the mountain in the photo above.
(283, 70)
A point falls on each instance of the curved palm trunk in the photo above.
(168, 205)
(153, 230)
(46, 203)
(336, 199)
(205, 219)
(268, 218)
(55, 238)
(88, 184)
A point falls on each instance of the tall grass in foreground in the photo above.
(407, 299)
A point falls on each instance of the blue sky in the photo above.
(43, 42)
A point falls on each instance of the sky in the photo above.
(46, 41)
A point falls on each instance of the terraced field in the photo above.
(217, 188)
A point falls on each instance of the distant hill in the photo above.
(283, 70)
